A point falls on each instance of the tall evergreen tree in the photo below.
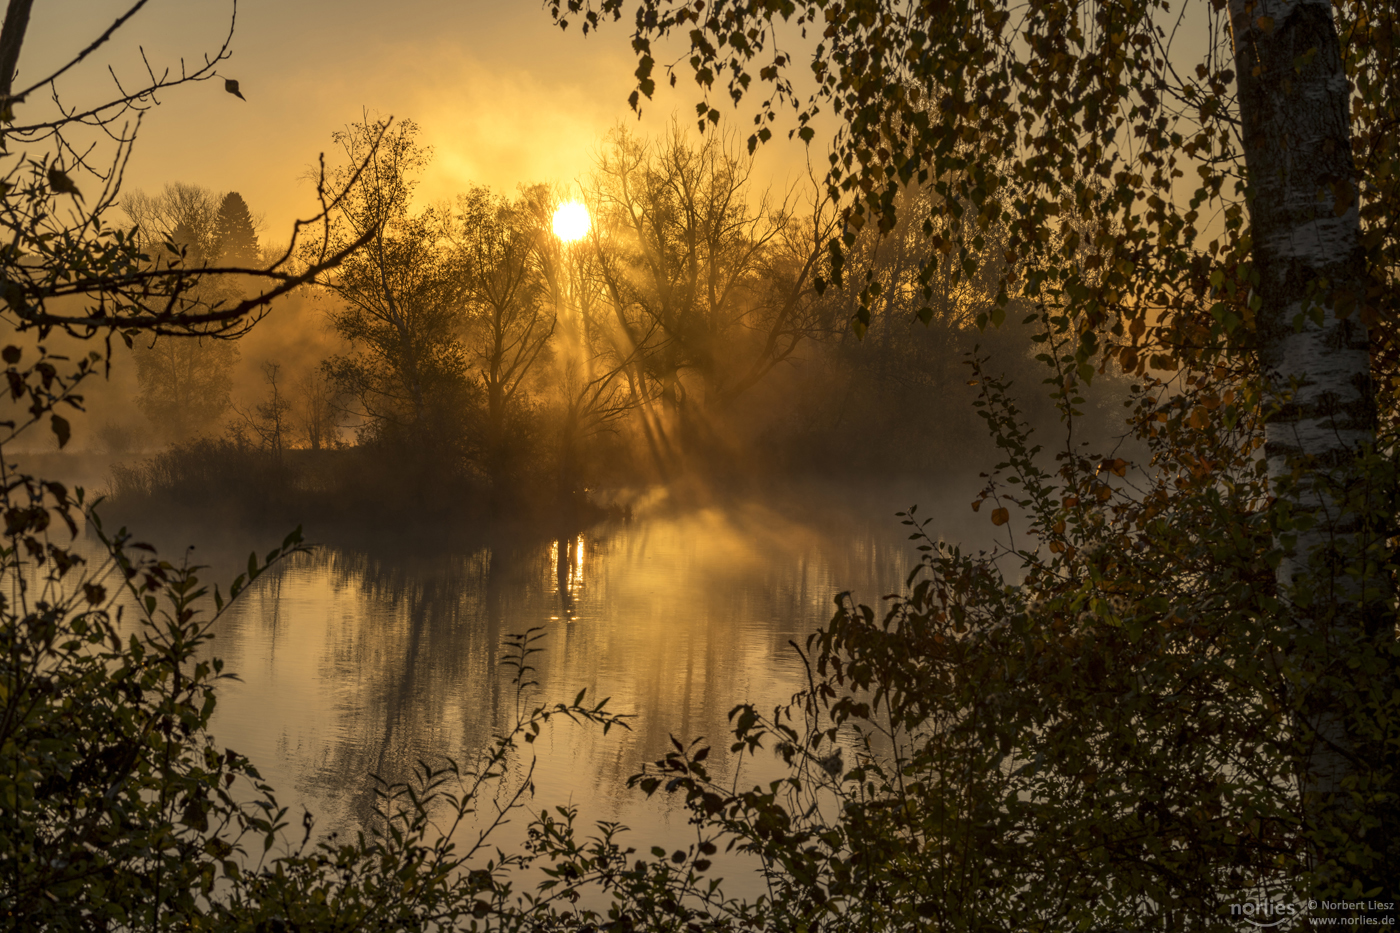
(235, 234)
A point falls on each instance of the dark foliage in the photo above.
(234, 233)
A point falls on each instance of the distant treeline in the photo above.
(491, 359)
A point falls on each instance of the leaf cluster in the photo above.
(1102, 143)
(1103, 722)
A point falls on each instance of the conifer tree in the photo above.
(235, 233)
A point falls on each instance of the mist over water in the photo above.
(353, 663)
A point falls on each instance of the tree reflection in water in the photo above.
(357, 662)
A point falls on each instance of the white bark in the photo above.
(1297, 141)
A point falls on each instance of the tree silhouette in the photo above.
(401, 300)
(513, 317)
(184, 383)
(235, 233)
(181, 215)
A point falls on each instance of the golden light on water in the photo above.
(566, 565)
(570, 221)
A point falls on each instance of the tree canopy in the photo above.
(1104, 137)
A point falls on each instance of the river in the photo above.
(356, 662)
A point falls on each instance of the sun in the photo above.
(570, 221)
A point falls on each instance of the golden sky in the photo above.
(503, 96)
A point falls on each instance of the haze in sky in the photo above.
(502, 94)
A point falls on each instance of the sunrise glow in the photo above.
(570, 221)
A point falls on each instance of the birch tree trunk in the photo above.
(1293, 101)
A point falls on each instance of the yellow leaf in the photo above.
(1000, 516)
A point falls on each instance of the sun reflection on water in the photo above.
(566, 557)
(357, 663)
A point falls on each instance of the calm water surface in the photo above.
(354, 664)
